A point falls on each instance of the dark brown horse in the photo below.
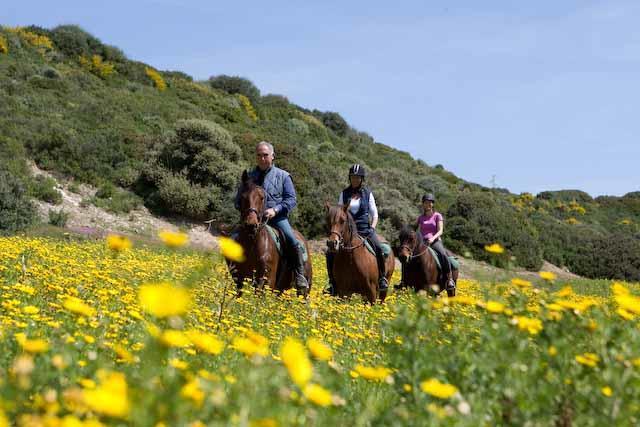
(354, 268)
(420, 270)
(263, 264)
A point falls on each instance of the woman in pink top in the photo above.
(431, 225)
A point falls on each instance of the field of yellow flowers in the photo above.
(106, 333)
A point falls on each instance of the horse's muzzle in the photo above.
(333, 245)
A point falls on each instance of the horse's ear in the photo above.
(245, 177)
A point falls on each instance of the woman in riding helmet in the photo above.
(431, 226)
(362, 206)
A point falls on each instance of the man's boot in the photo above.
(451, 284)
(302, 286)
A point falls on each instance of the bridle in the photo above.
(414, 249)
(340, 246)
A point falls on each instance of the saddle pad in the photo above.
(275, 236)
(386, 248)
(455, 265)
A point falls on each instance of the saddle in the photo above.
(280, 242)
(386, 248)
(278, 239)
(455, 265)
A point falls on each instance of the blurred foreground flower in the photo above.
(173, 239)
(118, 243)
(294, 357)
(319, 350)
(372, 373)
(231, 249)
(317, 394)
(110, 397)
(494, 248)
(164, 299)
(547, 275)
(438, 389)
(76, 305)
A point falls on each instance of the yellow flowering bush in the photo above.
(96, 65)
(248, 107)
(157, 79)
(4, 48)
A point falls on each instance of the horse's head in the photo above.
(409, 242)
(337, 222)
(252, 198)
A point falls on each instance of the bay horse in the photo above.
(420, 270)
(263, 264)
(355, 268)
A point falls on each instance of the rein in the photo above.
(341, 246)
(412, 250)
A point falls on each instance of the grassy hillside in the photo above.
(80, 108)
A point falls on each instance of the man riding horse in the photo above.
(280, 201)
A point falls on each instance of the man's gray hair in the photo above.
(268, 144)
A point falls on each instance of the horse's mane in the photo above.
(334, 211)
(406, 232)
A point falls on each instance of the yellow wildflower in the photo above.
(76, 305)
(173, 338)
(264, 422)
(118, 243)
(629, 303)
(494, 248)
(193, 391)
(31, 309)
(607, 391)
(494, 307)
(206, 343)
(547, 275)
(438, 389)
(319, 350)
(251, 345)
(173, 239)
(564, 292)
(294, 357)
(231, 249)
(110, 397)
(164, 299)
(588, 359)
(552, 351)
(379, 373)
(521, 283)
(533, 326)
(32, 346)
(619, 289)
(625, 314)
(317, 394)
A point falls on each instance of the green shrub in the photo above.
(73, 41)
(235, 84)
(16, 210)
(333, 121)
(298, 127)
(118, 201)
(180, 196)
(479, 219)
(58, 218)
(44, 188)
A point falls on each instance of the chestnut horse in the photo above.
(355, 269)
(420, 270)
(263, 264)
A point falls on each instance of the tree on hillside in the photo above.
(235, 84)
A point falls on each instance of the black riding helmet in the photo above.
(357, 170)
(428, 197)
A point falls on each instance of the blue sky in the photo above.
(542, 95)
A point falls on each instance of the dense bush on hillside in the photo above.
(16, 210)
(181, 150)
(479, 219)
(235, 85)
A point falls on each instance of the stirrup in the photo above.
(301, 282)
(383, 284)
